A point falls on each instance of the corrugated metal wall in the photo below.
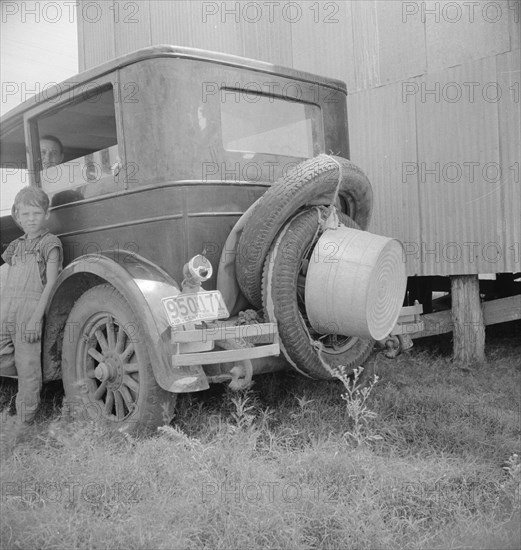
(434, 109)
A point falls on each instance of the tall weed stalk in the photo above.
(355, 397)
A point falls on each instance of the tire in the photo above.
(312, 182)
(283, 295)
(105, 331)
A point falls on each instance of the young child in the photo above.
(33, 263)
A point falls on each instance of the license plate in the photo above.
(201, 306)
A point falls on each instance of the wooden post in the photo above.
(467, 316)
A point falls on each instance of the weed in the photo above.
(357, 410)
(270, 467)
(242, 415)
(512, 486)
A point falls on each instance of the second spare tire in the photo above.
(313, 182)
(309, 352)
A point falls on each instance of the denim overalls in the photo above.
(21, 292)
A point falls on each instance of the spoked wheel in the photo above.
(107, 374)
(284, 283)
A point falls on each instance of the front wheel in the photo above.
(107, 373)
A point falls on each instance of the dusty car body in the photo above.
(165, 149)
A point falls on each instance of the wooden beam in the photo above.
(502, 310)
(494, 312)
(435, 323)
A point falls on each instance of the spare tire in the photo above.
(283, 295)
(313, 182)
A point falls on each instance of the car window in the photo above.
(13, 166)
(265, 124)
(91, 157)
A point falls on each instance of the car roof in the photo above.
(14, 116)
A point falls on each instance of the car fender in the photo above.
(144, 285)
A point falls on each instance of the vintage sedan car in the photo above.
(167, 154)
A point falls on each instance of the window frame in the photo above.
(316, 123)
(71, 96)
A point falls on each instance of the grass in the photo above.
(425, 458)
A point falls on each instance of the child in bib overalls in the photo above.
(33, 263)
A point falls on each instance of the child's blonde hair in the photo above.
(31, 196)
